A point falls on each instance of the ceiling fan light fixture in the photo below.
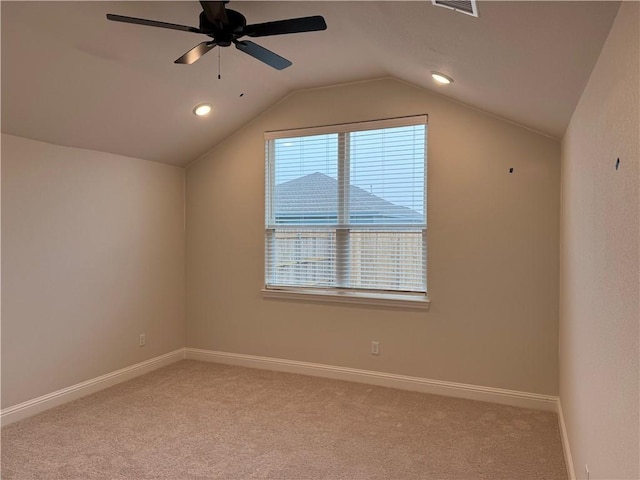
(202, 110)
(441, 78)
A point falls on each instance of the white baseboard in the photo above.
(50, 400)
(438, 387)
(565, 443)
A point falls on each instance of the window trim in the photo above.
(408, 121)
(393, 299)
(374, 299)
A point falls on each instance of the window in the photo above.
(346, 209)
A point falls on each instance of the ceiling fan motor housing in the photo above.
(224, 33)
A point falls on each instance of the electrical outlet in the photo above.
(375, 348)
(143, 340)
(586, 469)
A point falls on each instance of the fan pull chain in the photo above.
(219, 76)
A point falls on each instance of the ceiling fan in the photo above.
(226, 27)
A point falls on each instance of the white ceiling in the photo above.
(73, 78)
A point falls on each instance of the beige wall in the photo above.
(93, 255)
(493, 250)
(600, 285)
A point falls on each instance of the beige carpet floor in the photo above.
(196, 420)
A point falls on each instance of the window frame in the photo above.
(369, 297)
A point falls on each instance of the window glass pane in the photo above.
(306, 185)
(387, 176)
(386, 260)
(301, 257)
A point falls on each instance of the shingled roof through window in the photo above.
(313, 199)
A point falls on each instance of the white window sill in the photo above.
(414, 302)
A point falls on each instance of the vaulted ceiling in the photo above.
(71, 77)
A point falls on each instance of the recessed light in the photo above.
(441, 78)
(202, 110)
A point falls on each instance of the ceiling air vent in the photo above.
(463, 6)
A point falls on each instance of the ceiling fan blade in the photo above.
(267, 56)
(215, 12)
(195, 53)
(152, 23)
(282, 27)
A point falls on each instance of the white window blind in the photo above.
(346, 207)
